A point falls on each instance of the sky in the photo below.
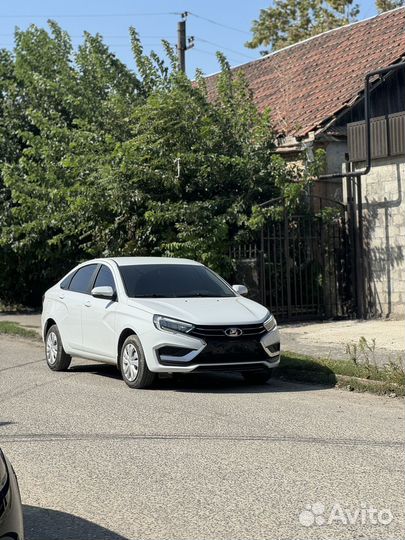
(153, 19)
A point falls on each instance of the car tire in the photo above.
(55, 355)
(257, 377)
(132, 362)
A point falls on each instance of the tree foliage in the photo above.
(387, 5)
(99, 161)
(289, 21)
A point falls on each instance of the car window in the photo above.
(66, 282)
(81, 280)
(104, 278)
(172, 281)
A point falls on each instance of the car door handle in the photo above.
(61, 296)
(88, 303)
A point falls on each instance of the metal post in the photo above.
(325, 296)
(262, 269)
(287, 261)
(351, 226)
(360, 253)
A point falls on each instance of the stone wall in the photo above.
(384, 237)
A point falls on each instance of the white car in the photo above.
(150, 315)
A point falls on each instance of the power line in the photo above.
(225, 48)
(211, 53)
(86, 15)
(133, 14)
(109, 45)
(218, 23)
(120, 36)
(107, 36)
(128, 45)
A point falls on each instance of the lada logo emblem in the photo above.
(233, 332)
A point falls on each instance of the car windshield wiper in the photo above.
(194, 295)
(199, 295)
(151, 296)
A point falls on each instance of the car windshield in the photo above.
(172, 281)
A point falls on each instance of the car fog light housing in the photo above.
(270, 323)
(167, 324)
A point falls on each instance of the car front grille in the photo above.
(247, 330)
(229, 350)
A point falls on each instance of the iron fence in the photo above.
(300, 268)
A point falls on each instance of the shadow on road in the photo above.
(47, 524)
(222, 383)
(210, 383)
(105, 370)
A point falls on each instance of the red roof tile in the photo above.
(307, 83)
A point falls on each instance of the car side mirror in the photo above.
(103, 292)
(240, 289)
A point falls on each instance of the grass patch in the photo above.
(343, 373)
(15, 329)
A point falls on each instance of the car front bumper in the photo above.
(174, 352)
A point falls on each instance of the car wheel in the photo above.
(257, 377)
(56, 358)
(134, 369)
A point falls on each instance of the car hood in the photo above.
(230, 310)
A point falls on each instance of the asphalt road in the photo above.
(206, 457)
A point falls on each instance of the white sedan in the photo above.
(150, 315)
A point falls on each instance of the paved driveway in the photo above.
(329, 339)
(206, 457)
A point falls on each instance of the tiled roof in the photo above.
(307, 83)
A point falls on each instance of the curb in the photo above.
(345, 382)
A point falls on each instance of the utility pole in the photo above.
(183, 44)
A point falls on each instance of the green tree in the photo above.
(289, 21)
(61, 114)
(387, 5)
(99, 161)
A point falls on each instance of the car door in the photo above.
(74, 298)
(98, 318)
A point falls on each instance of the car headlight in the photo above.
(270, 323)
(171, 325)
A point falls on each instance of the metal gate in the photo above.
(300, 268)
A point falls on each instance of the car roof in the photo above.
(126, 261)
